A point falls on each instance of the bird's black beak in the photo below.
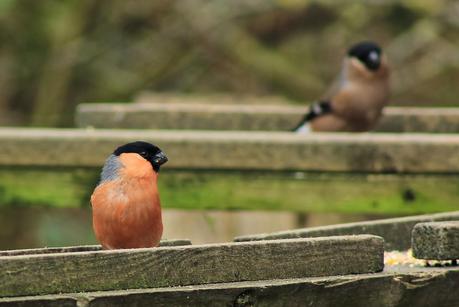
(159, 159)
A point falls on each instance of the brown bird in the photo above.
(125, 205)
(356, 100)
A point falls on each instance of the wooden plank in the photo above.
(189, 265)
(436, 240)
(395, 231)
(290, 191)
(406, 153)
(426, 120)
(410, 287)
(43, 301)
(266, 117)
(196, 116)
(74, 249)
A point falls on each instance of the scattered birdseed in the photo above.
(402, 258)
(406, 258)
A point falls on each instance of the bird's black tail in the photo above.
(315, 110)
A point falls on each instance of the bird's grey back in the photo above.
(338, 83)
(111, 168)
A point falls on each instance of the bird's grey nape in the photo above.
(110, 169)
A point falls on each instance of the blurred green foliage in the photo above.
(57, 53)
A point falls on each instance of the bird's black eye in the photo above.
(143, 153)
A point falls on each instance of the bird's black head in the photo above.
(148, 151)
(368, 53)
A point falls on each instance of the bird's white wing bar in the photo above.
(304, 129)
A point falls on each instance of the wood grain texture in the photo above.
(344, 152)
(266, 117)
(395, 231)
(43, 301)
(436, 240)
(392, 288)
(82, 248)
(189, 265)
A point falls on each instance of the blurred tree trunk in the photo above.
(233, 41)
(6, 86)
(66, 41)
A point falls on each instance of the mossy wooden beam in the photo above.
(267, 117)
(395, 231)
(398, 153)
(394, 287)
(290, 191)
(189, 265)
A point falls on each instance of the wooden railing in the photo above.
(365, 173)
(369, 172)
(214, 116)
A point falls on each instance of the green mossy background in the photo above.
(217, 190)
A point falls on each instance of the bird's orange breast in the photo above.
(127, 211)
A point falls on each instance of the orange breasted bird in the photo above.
(355, 101)
(125, 205)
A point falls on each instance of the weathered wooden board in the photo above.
(436, 240)
(292, 191)
(44, 301)
(195, 116)
(74, 249)
(395, 231)
(267, 117)
(412, 287)
(412, 153)
(189, 265)
(425, 120)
